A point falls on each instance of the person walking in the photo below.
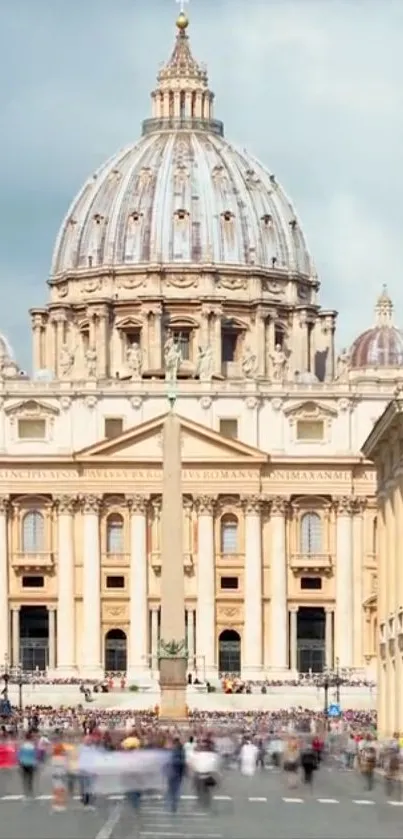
(28, 762)
(175, 774)
(309, 762)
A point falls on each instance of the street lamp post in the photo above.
(326, 684)
(20, 687)
(337, 681)
(6, 678)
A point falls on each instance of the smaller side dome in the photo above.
(382, 345)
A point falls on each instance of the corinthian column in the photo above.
(91, 619)
(138, 609)
(278, 574)
(66, 619)
(252, 646)
(344, 625)
(4, 610)
(205, 614)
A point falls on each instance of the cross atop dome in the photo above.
(384, 308)
(182, 98)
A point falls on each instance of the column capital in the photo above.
(65, 504)
(344, 505)
(293, 608)
(4, 503)
(205, 505)
(137, 504)
(91, 503)
(252, 504)
(278, 505)
(359, 505)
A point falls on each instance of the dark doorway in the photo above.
(311, 645)
(115, 651)
(229, 652)
(34, 637)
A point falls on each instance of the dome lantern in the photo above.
(384, 309)
(182, 98)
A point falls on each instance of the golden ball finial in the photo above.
(182, 22)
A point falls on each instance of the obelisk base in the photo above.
(173, 684)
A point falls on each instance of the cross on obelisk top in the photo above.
(182, 5)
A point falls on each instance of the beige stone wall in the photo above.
(232, 610)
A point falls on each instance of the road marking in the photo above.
(181, 835)
(396, 803)
(222, 798)
(257, 799)
(43, 798)
(328, 801)
(188, 797)
(116, 797)
(293, 800)
(110, 824)
(12, 797)
(362, 801)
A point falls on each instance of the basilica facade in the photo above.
(182, 264)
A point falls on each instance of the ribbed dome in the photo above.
(182, 194)
(181, 197)
(382, 345)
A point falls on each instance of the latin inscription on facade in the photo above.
(202, 475)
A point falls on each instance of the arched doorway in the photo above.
(34, 637)
(311, 644)
(115, 651)
(229, 652)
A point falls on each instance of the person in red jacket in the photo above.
(317, 745)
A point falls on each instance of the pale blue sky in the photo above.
(314, 88)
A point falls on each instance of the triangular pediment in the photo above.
(310, 408)
(30, 408)
(199, 444)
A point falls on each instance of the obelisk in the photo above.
(172, 649)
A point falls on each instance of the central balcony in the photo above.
(38, 561)
(311, 563)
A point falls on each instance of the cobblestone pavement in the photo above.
(262, 807)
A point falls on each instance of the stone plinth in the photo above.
(173, 685)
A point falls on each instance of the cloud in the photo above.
(314, 89)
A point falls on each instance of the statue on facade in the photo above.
(66, 360)
(205, 364)
(249, 364)
(343, 365)
(91, 358)
(172, 359)
(134, 358)
(279, 362)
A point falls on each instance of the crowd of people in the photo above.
(94, 756)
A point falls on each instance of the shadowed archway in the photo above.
(115, 651)
(229, 652)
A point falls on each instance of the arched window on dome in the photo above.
(311, 534)
(115, 534)
(33, 532)
(229, 534)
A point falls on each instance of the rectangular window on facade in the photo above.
(229, 428)
(311, 583)
(229, 346)
(31, 581)
(310, 430)
(32, 429)
(113, 427)
(229, 583)
(115, 581)
(182, 339)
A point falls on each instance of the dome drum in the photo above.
(214, 126)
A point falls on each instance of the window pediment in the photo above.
(310, 409)
(184, 322)
(128, 323)
(31, 408)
